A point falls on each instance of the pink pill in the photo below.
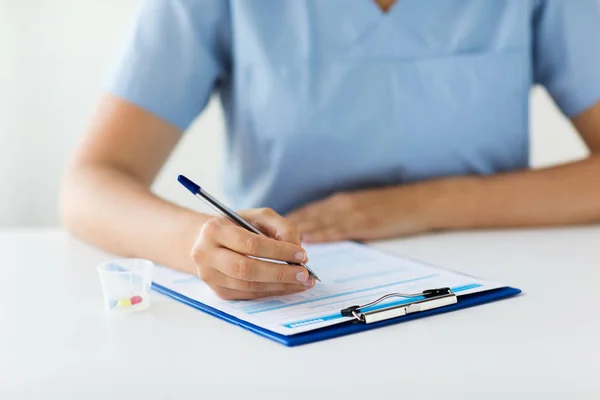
(136, 300)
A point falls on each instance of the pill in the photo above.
(112, 303)
(125, 303)
(136, 300)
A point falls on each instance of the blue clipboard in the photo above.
(344, 328)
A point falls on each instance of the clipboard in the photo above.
(365, 317)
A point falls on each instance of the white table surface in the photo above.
(57, 343)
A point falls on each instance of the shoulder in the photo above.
(566, 38)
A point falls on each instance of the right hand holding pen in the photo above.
(221, 254)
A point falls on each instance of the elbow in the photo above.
(69, 203)
(65, 210)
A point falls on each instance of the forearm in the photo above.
(567, 194)
(113, 211)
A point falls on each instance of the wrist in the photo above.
(450, 203)
(189, 228)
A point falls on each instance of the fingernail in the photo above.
(302, 276)
(300, 256)
(309, 283)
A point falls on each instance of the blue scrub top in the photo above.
(322, 96)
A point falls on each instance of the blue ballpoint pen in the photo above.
(227, 212)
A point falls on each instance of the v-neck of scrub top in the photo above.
(381, 6)
(354, 26)
(346, 29)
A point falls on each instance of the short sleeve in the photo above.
(567, 52)
(174, 54)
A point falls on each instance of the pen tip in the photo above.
(189, 185)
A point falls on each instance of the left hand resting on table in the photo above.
(365, 215)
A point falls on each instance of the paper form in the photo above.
(351, 274)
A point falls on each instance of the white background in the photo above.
(53, 57)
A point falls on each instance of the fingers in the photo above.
(308, 220)
(308, 227)
(240, 240)
(249, 269)
(231, 260)
(216, 278)
(318, 211)
(311, 212)
(273, 225)
(319, 222)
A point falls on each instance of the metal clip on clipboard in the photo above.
(431, 298)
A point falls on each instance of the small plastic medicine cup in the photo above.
(126, 284)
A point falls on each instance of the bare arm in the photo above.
(106, 201)
(106, 198)
(562, 195)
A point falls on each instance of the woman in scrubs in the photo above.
(346, 119)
